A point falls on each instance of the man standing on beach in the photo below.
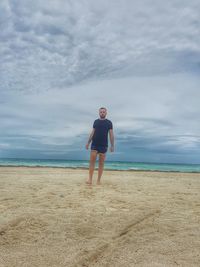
(99, 138)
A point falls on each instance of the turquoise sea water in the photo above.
(108, 165)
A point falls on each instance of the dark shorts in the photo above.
(99, 149)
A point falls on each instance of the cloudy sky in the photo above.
(60, 60)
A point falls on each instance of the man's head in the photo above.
(102, 113)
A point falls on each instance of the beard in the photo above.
(102, 116)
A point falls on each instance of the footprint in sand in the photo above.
(22, 229)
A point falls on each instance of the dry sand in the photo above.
(49, 217)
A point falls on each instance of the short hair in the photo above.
(103, 108)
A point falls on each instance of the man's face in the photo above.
(102, 113)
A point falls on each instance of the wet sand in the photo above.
(49, 217)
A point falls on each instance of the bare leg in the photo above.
(101, 166)
(93, 156)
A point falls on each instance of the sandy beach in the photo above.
(49, 217)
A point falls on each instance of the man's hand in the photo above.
(90, 139)
(87, 146)
(111, 135)
(112, 149)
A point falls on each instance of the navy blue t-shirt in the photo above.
(102, 127)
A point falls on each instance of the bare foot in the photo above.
(98, 183)
(88, 182)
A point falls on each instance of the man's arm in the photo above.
(111, 135)
(90, 139)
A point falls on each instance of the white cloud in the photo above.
(50, 44)
(4, 145)
(61, 60)
(153, 106)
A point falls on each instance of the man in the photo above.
(99, 138)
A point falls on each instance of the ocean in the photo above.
(109, 165)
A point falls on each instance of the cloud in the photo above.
(155, 121)
(61, 60)
(48, 44)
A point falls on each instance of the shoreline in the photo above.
(105, 169)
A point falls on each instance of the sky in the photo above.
(61, 60)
